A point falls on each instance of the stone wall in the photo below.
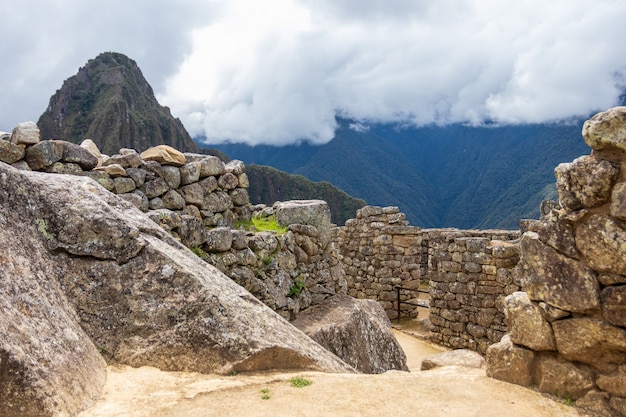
(467, 273)
(567, 325)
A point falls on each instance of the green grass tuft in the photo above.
(300, 382)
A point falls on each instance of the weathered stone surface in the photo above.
(618, 404)
(527, 325)
(26, 133)
(193, 194)
(228, 181)
(615, 384)
(154, 188)
(614, 305)
(235, 167)
(209, 165)
(44, 154)
(164, 154)
(138, 175)
(562, 282)
(606, 129)
(124, 185)
(509, 363)
(358, 331)
(584, 183)
(244, 182)
(596, 402)
(102, 178)
(217, 202)
(190, 172)
(556, 376)
(611, 279)
(10, 152)
(192, 232)
(311, 212)
(140, 295)
(79, 155)
(173, 200)
(64, 168)
(126, 160)
(618, 201)
(601, 240)
(170, 174)
(114, 170)
(458, 357)
(591, 341)
(219, 239)
(239, 196)
(91, 146)
(556, 231)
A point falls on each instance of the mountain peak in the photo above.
(110, 102)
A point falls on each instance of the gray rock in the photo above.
(227, 181)
(217, 202)
(239, 196)
(358, 331)
(10, 152)
(606, 130)
(310, 212)
(173, 200)
(141, 296)
(508, 362)
(243, 180)
(64, 168)
(128, 160)
(526, 323)
(555, 376)
(190, 172)
(458, 357)
(154, 188)
(170, 174)
(79, 155)
(26, 133)
(601, 240)
(102, 178)
(138, 175)
(219, 239)
(584, 183)
(44, 154)
(591, 341)
(209, 165)
(562, 282)
(124, 185)
(235, 167)
(193, 193)
(191, 231)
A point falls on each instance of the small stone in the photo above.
(44, 154)
(76, 154)
(164, 154)
(114, 170)
(10, 152)
(190, 172)
(26, 133)
(606, 129)
(618, 201)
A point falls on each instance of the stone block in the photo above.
(508, 362)
(584, 183)
(606, 130)
(555, 376)
(527, 325)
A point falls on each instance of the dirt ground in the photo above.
(448, 391)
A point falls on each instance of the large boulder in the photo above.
(358, 331)
(606, 130)
(164, 154)
(526, 322)
(560, 281)
(507, 362)
(85, 256)
(457, 357)
(315, 213)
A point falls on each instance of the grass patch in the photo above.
(262, 224)
(300, 382)
(296, 288)
(265, 394)
(198, 251)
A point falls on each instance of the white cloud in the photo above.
(278, 71)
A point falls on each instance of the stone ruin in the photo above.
(546, 304)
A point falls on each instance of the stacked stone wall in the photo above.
(567, 325)
(469, 276)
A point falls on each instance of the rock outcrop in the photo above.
(358, 331)
(110, 101)
(567, 331)
(85, 272)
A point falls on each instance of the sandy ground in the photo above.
(448, 391)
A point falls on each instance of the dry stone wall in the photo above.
(567, 324)
(467, 273)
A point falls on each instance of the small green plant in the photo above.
(267, 260)
(102, 350)
(296, 288)
(198, 251)
(266, 394)
(300, 382)
(261, 224)
(568, 400)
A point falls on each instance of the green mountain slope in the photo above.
(110, 102)
(453, 176)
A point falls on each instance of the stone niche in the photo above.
(567, 324)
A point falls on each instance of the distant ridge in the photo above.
(110, 102)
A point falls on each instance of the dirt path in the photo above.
(449, 391)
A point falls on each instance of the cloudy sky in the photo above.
(278, 71)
